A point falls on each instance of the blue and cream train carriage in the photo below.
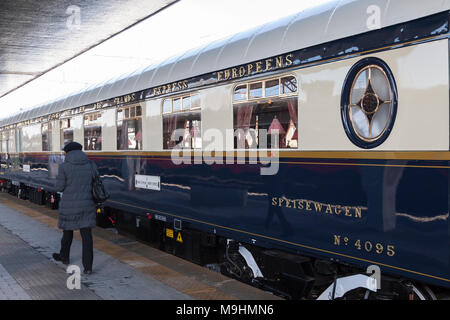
(295, 156)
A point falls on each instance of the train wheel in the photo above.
(403, 290)
(421, 292)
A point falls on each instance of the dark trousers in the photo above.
(88, 248)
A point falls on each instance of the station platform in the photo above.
(124, 269)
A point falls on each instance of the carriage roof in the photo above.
(321, 24)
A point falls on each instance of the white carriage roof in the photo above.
(331, 21)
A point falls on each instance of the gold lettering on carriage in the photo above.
(306, 206)
(279, 62)
(125, 99)
(171, 87)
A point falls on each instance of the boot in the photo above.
(58, 257)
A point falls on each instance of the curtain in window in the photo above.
(292, 133)
(138, 139)
(123, 142)
(171, 127)
(244, 116)
(292, 106)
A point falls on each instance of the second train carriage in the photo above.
(288, 156)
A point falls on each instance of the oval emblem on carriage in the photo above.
(369, 103)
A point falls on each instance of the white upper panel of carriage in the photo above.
(328, 22)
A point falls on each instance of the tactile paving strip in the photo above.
(9, 288)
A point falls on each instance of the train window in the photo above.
(288, 85)
(176, 105)
(12, 141)
(20, 139)
(195, 101)
(274, 111)
(186, 103)
(66, 132)
(8, 141)
(167, 106)
(255, 90)
(129, 128)
(93, 131)
(240, 93)
(369, 103)
(17, 139)
(5, 141)
(46, 131)
(182, 125)
(272, 88)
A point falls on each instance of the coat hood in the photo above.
(76, 157)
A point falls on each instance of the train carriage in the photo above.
(294, 156)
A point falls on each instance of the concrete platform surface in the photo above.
(123, 268)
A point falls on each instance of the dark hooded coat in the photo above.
(77, 208)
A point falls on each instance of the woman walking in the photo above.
(77, 209)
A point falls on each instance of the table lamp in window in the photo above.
(277, 128)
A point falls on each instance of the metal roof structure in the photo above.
(334, 20)
(37, 36)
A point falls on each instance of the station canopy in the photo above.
(37, 36)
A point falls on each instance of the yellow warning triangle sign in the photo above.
(179, 239)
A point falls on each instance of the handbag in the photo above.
(99, 194)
